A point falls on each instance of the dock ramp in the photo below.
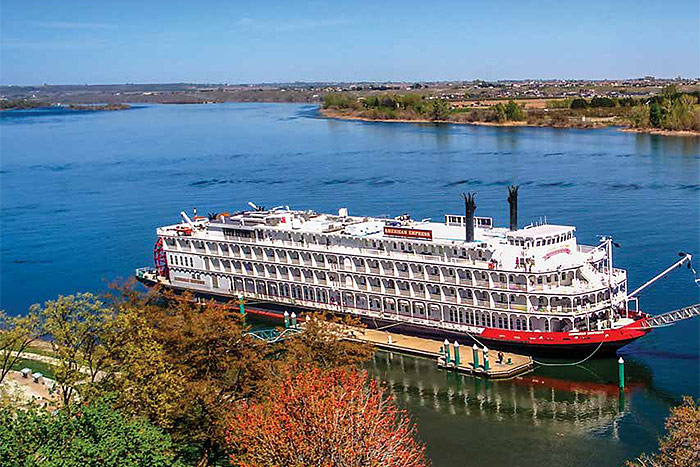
(672, 317)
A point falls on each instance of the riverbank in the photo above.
(98, 108)
(35, 105)
(332, 113)
(585, 124)
(660, 132)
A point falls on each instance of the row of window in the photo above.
(423, 248)
(530, 242)
(433, 271)
(179, 260)
(320, 295)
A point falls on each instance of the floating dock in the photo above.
(512, 364)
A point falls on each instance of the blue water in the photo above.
(81, 194)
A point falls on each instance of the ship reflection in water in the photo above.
(581, 398)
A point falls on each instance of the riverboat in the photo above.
(532, 289)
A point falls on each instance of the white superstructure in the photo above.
(531, 279)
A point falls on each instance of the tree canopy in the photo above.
(670, 110)
(324, 417)
(164, 364)
(681, 445)
(92, 435)
(16, 334)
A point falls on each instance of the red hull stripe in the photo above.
(626, 333)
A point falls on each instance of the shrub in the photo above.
(339, 101)
(602, 102)
(579, 103)
(514, 112)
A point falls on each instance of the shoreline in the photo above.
(75, 107)
(326, 113)
(660, 132)
(334, 114)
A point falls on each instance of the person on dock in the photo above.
(500, 357)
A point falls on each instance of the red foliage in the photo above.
(336, 417)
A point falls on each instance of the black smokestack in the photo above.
(469, 208)
(513, 201)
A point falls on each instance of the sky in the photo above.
(154, 41)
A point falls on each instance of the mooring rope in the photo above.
(573, 363)
(388, 325)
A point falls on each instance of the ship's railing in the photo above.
(339, 249)
(379, 314)
(395, 256)
(486, 306)
(555, 291)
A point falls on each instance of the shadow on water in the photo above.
(660, 145)
(576, 406)
(585, 396)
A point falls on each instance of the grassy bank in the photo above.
(35, 365)
(671, 112)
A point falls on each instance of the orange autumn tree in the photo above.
(334, 417)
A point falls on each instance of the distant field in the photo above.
(532, 94)
(483, 103)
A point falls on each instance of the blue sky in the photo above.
(64, 41)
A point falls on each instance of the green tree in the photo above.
(95, 435)
(319, 345)
(371, 102)
(144, 378)
(657, 115)
(681, 113)
(439, 109)
(640, 116)
(514, 112)
(183, 364)
(339, 101)
(670, 92)
(78, 325)
(602, 102)
(16, 334)
(411, 102)
(501, 113)
(579, 103)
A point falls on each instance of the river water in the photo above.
(81, 194)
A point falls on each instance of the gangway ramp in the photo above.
(672, 317)
(272, 335)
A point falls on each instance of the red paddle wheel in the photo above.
(160, 259)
